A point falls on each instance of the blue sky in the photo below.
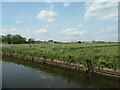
(61, 21)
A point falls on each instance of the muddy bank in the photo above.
(62, 64)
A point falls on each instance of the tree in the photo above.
(18, 39)
(8, 38)
(31, 40)
(3, 38)
(13, 39)
(79, 42)
(50, 40)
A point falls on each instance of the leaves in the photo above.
(103, 55)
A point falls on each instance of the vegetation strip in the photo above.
(63, 64)
(104, 61)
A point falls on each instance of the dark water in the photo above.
(23, 74)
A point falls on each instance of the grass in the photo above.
(100, 54)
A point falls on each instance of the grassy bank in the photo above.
(103, 55)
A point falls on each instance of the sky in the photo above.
(61, 21)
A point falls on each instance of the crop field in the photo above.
(103, 55)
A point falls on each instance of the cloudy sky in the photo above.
(61, 21)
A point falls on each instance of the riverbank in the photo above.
(66, 65)
(95, 58)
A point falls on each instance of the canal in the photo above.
(17, 73)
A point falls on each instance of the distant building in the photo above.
(39, 42)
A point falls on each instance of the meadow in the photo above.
(104, 55)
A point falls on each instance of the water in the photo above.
(23, 74)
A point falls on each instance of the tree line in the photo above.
(15, 39)
(18, 39)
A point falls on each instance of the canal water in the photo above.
(18, 73)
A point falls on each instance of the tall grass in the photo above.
(101, 55)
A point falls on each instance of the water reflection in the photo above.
(19, 73)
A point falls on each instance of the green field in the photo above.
(100, 54)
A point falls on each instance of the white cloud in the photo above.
(109, 16)
(117, 35)
(12, 30)
(72, 31)
(41, 31)
(47, 15)
(101, 38)
(48, 1)
(71, 38)
(108, 30)
(9, 30)
(102, 10)
(27, 30)
(66, 4)
(3, 30)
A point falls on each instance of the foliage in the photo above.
(31, 40)
(99, 54)
(13, 39)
